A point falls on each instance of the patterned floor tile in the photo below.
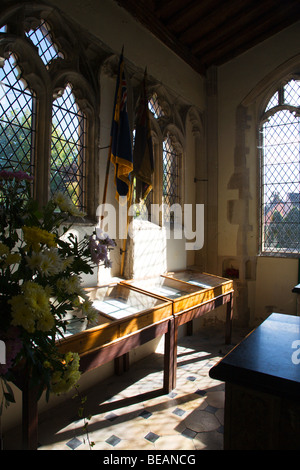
(131, 412)
(151, 437)
(74, 443)
(113, 440)
(145, 414)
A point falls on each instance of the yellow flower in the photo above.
(4, 250)
(46, 322)
(21, 314)
(63, 380)
(13, 258)
(71, 285)
(47, 365)
(31, 309)
(34, 236)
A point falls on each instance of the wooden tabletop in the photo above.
(267, 358)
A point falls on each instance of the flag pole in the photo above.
(123, 250)
(106, 183)
(108, 165)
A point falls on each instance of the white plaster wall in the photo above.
(115, 27)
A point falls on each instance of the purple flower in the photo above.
(100, 244)
(104, 238)
(17, 175)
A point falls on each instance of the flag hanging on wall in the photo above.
(143, 161)
(121, 148)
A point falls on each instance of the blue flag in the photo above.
(121, 147)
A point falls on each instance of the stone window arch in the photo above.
(279, 133)
(51, 59)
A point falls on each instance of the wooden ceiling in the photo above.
(211, 32)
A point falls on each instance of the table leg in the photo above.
(170, 356)
(121, 364)
(189, 328)
(229, 315)
(30, 418)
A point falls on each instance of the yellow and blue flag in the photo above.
(121, 147)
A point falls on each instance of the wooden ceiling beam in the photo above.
(250, 37)
(251, 15)
(212, 21)
(211, 32)
(168, 8)
(194, 12)
(148, 19)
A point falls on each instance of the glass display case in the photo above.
(211, 286)
(186, 289)
(122, 311)
(202, 280)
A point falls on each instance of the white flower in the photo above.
(66, 205)
(47, 262)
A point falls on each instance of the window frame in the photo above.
(46, 82)
(265, 115)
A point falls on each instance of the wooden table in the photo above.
(110, 340)
(262, 387)
(193, 294)
(145, 317)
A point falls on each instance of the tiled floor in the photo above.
(131, 412)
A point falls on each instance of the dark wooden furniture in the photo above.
(192, 294)
(128, 318)
(296, 290)
(262, 387)
(110, 340)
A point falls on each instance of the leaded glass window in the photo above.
(17, 118)
(170, 180)
(44, 104)
(154, 106)
(280, 172)
(41, 38)
(68, 148)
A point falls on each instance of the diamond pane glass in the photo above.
(170, 180)
(154, 106)
(273, 102)
(68, 149)
(16, 117)
(292, 93)
(280, 173)
(41, 38)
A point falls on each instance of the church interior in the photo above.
(222, 82)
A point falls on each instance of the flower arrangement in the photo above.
(41, 262)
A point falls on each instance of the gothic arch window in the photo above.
(68, 143)
(17, 119)
(48, 106)
(41, 38)
(155, 107)
(171, 180)
(167, 150)
(280, 172)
